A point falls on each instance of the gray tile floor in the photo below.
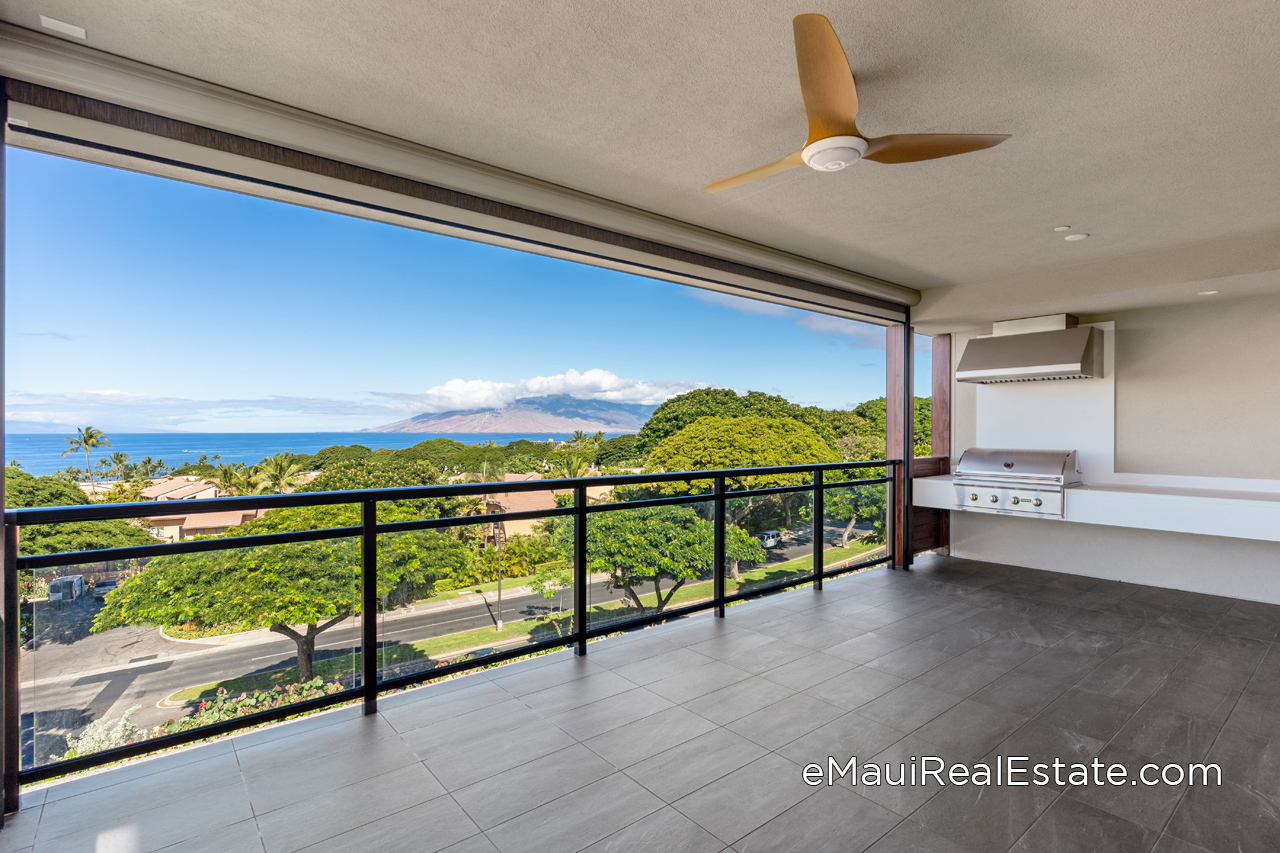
(692, 736)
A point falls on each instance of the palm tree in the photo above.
(569, 466)
(236, 479)
(120, 467)
(229, 479)
(87, 440)
(578, 439)
(279, 473)
(104, 468)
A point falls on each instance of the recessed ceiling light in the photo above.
(1063, 228)
(1074, 237)
(62, 27)
(1206, 293)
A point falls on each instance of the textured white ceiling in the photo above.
(1150, 124)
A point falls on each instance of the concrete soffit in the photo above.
(79, 70)
(1238, 266)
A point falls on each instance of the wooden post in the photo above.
(942, 424)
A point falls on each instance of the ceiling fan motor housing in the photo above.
(834, 153)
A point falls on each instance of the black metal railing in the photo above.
(721, 487)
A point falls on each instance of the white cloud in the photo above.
(117, 408)
(860, 334)
(594, 384)
(741, 303)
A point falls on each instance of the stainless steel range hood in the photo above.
(1065, 352)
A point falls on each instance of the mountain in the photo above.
(557, 413)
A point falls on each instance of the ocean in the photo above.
(42, 454)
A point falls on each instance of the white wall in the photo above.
(1120, 424)
(1240, 568)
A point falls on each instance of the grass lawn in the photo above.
(491, 586)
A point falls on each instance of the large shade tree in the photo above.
(684, 410)
(752, 441)
(297, 590)
(644, 548)
(859, 503)
(300, 590)
(26, 490)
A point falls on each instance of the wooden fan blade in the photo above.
(789, 162)
(830, 98)
(913, 147)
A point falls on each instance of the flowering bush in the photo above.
(226, 707)
(101, 735)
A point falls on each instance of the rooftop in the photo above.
(693, 735)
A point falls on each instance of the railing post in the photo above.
(580, 570)
(369, 605)
(719, 547)
(12, 651)
(819, 529)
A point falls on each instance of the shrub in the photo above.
(101, 735)
(226, 707)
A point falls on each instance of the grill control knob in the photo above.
(1036, 502)
(973, 496)
(1014, 500)
(995, 499)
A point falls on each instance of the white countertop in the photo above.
(1156, 491)
(1210, 512)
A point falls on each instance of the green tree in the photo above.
(744, 442)
(120, 465)
(236, 479)
(373, 471)
(87, 439)
(617, 451)
(859, 503)
(741, 547)
(126, 491)
(25, 490)
(279, 473)
(645, 547)
(682, 411)
(874, 413)
(568, 464)
(297, 590)
(149, 467)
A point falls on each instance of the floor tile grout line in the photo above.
(1169, 820)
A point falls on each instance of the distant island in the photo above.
(557, 413)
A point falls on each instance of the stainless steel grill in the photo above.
(1015, 482)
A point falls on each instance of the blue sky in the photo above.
(138, 303)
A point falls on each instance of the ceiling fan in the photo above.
(831, 102)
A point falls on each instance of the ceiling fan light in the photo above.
(834, 153)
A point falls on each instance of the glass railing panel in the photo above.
(123, 652)
(463, 593)
(769, 539)
(854, 524)
(648, 560)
